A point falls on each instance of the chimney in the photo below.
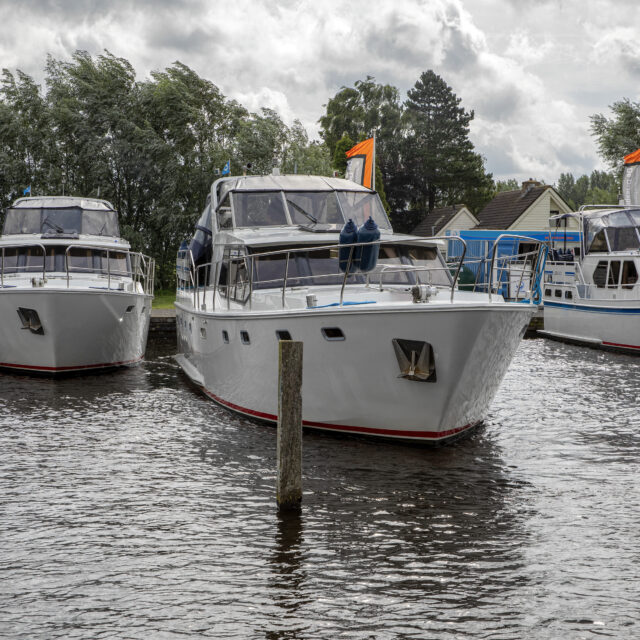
(527, 184)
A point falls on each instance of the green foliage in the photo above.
(355, 114)
(507, 185)
(150, 147)
(302, 156)
(340, 153)
(619, 135)
(439, 161)
(598, 188)
(423, 152)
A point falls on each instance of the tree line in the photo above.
(152, 147)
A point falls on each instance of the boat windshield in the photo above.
(359, 205)
(613, 231)
(397, 264)
(307, 208)
(50, 220)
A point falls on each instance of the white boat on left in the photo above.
(73, 296)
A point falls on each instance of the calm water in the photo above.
(132, 507)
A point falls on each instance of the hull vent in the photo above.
(415, 359)
(30, 320)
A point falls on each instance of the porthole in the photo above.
(225, 337)
(283, 334)
(244, 337)
(332, 333)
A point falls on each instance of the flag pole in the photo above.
(373, 169)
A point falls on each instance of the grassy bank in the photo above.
(164, 299)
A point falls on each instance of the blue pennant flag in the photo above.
(27, 190)
(227, 168)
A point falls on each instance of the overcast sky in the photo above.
(533, 71)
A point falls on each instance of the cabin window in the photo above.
(320, 267)
(599, 244)
(259, 209)
(558, 293)
(313, 267)
(547, 292)
(234, 276)
(22, 260)
(623, 239)
(307, 208)
(629, 274)
(244, 337)
(614, 274)
(332, 333)
(283, 335)
(600, 274)
(568, 295)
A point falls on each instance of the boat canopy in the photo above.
(612, 229)
(56, 215)
(314, 202)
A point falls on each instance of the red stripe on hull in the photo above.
(423, 435)
(82, 367)
(621, 346)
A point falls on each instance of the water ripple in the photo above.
(132, 507)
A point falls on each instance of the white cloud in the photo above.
(533, 72)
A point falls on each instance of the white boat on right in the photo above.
(592, 296)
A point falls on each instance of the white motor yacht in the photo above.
(73, 296)
(392, 347)
(592, 296)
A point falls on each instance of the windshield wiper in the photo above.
(53, 225)
(303, 212)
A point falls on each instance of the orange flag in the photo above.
(360, 163)
(632, 158)
(631, 179)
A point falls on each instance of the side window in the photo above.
(599, 242)
(614, 274)
(600, 274)
(629, 274)
(224, 218)
(234, 276)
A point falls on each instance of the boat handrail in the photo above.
(142, 268)
(32, 244)
(538, 267)
(287, 254)
(206, 276)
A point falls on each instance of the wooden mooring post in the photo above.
(289, 489)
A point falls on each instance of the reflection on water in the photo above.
(132, 507)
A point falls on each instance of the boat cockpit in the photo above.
(313, 203)
(61, 217)
(71, 235)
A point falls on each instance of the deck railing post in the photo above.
(289, 456)
(346, 273)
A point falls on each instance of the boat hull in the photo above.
(81, 329)
(354, 385)
(613, 325)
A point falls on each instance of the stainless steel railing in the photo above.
(140, 268)
(206, 277)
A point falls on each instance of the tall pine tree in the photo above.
(439, 161)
